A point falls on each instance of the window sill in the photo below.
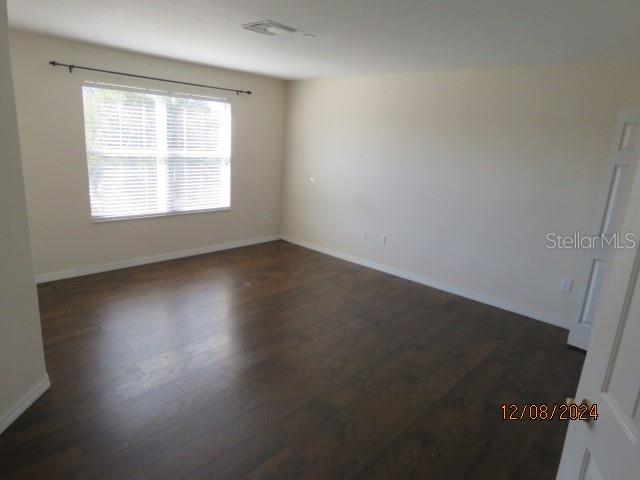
(156, 215)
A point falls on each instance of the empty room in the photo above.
(353, 239)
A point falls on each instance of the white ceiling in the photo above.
(353, 36)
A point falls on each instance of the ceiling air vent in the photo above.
(269, 27)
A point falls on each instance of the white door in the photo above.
(609, 447)
(615, 190)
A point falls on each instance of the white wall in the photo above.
(22, 372)
(465, 172)
(49, 103)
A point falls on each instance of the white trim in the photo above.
(414, 277)
(8, 417)
(134, 262)
(124, 218)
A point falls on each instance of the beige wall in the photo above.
(22, 371)
(465, 172)
(50, 118)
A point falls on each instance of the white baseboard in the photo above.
(25, 402)
(134, 262)
(429, 282)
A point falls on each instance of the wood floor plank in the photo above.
(274, 361)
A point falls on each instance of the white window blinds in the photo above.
(153, 154)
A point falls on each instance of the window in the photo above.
(151, 153)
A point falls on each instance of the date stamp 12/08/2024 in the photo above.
(542, 411)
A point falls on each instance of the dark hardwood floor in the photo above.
(274, 361)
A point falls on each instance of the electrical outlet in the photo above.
(566, 285)
(266, 216)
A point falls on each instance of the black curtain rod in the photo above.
(79, 67)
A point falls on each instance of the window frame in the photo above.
(166, 93)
